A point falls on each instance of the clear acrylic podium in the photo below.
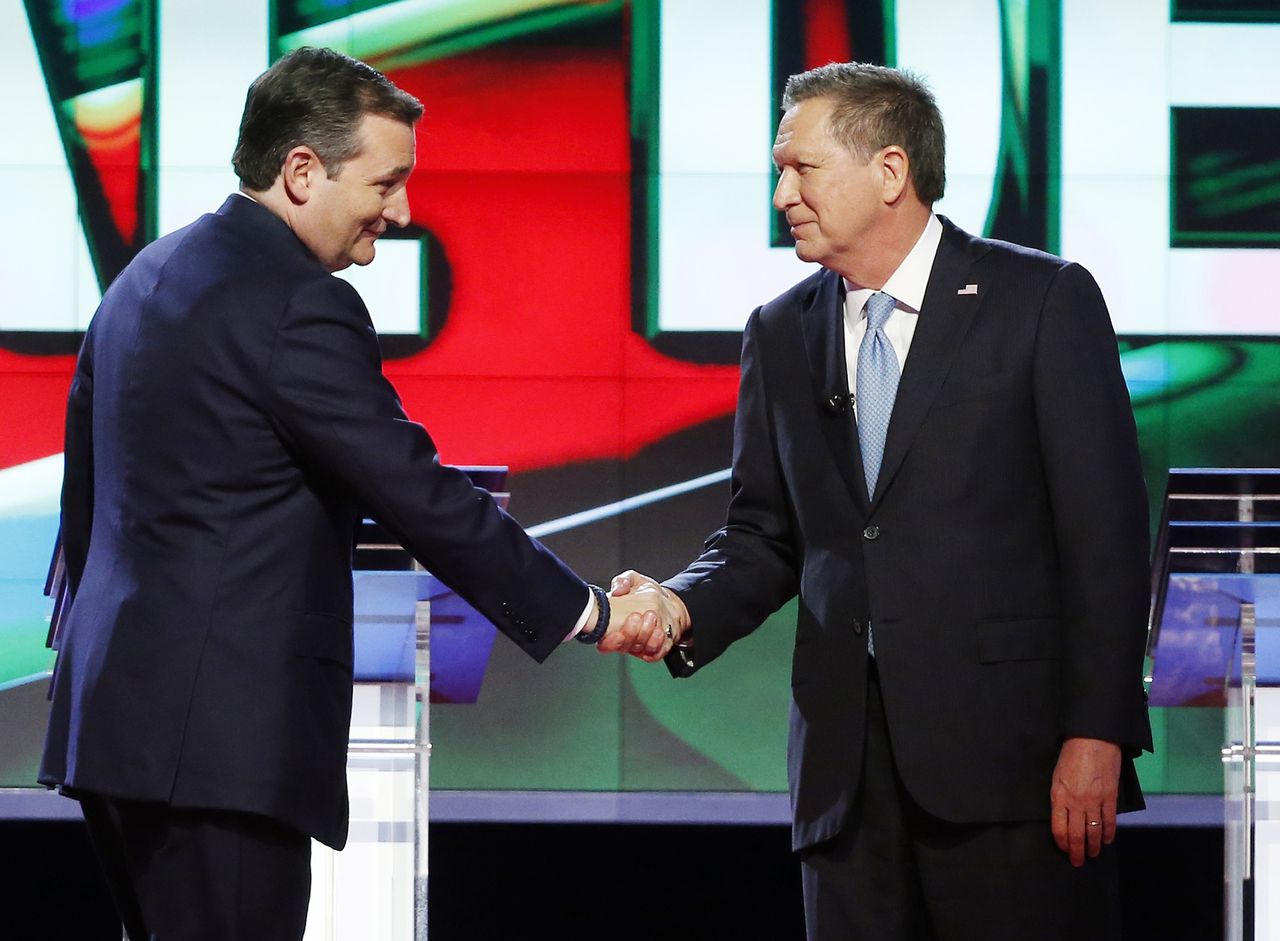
(1215, 640)
(416, 642)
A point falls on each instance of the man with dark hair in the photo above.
(227, 426)
(934, 448)
(315, 97)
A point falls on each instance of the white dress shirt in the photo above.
(906, 286)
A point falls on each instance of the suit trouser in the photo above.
(896, 873)
(180, 874)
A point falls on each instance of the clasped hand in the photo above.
(646, 620)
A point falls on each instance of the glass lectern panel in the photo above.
(1215, 641)
(416, 642)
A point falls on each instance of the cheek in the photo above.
(845, 209)
(824, 206)
(375, 205)
(832, 197)
(355, 223)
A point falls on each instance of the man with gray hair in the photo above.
(934, 448)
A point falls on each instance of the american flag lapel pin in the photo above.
(968, 289)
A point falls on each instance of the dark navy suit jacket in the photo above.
(1003, 559)
(227, 426)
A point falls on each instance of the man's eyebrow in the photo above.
(403, 169)
(809, 158)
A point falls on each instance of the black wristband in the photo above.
(602, 617)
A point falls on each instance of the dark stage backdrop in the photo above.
(591, 227)
(748, 883)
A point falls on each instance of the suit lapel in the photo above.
(944, 319)
(823, 319)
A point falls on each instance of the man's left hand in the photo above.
(1083, 797)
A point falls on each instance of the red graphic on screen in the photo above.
(826, 33)
(115, 151)
(524, 177)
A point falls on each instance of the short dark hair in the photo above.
(317, 98)
(873, 107)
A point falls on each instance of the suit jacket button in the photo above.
(857, 627)
(871, 532)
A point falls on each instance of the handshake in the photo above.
(646, 620)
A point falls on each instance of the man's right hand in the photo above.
(637, 637)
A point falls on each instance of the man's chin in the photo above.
(357, 258)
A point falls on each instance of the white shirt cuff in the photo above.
(582, 618)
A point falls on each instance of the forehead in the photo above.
(385, 144)
(804, 126)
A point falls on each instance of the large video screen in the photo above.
(591, 227)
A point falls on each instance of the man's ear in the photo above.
(301, 172)
(895, 173)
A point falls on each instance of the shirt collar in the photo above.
(907, 284)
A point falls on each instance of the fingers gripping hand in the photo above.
(646, 620)
(628, 581)
(637, 625)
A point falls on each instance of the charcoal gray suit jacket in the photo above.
(1003, 559)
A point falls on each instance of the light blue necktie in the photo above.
(877, 387)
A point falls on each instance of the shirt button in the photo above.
(871, 532)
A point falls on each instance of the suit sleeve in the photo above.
(748, 568)
(77, 468)
(1089, 445)
(342, 416)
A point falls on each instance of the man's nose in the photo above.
(785, 194)
(396, 211)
